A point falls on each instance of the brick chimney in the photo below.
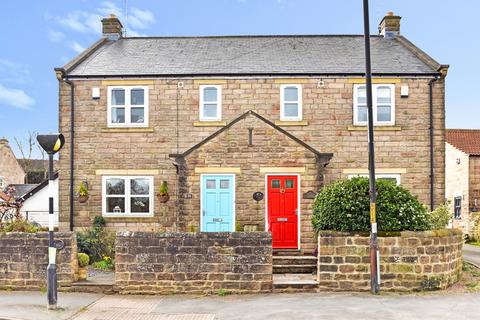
(389, 27)
(112, 27)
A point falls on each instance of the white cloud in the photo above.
(15, 98)
(90, 22)
(77, 47)
(55, 36)
(13, 72)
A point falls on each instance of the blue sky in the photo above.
(40, 35)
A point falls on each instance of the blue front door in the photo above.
(217, 203)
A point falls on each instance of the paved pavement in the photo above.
(27, 305)
(78, 306)
(471, 254)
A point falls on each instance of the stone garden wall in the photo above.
(409, 261)
(197, 263)
(24, 260)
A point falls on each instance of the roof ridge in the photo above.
(250, 36)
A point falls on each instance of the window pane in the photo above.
(115, 205)
(140, 204)
(211, 184)
(291, 94)
(275, 183)
(140, 186)
(383, 113)
(137, 97)
(137, 115)
(224, 184)
(383, 95)
(289, 184)
(210, 94)
(118, 115)
(209, 110)
(115, 186)
(362, 114)
(291, 110)
(118, 97)
(361, 95)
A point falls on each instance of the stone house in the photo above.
(244, 129)
(462, 176)
(11, 172)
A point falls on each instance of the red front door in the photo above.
(283, 211)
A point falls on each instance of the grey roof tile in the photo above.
(336, 54)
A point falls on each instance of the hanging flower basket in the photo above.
(163, 198)
(83, 199)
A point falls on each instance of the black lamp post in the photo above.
(51, 143)
(374, 256)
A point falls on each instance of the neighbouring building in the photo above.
(11, 172)
(462, 176)
(244, 129)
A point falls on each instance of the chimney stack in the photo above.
(389, 27)
(112, 27)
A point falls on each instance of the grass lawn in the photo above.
(474, 243)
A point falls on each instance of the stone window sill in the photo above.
(376, 128)
(209, 123)
(291, 123)
(129, 130)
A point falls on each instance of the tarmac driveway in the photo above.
(471, 254)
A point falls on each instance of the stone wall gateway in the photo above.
(24, 260)
(409, 261)
(196, 263)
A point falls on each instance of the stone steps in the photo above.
(294, 264)
(294, 282)
(286, 252)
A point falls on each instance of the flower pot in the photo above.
(82, 273)
(163, 198)
(82, 199)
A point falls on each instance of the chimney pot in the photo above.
(389, 27)
(112, 27)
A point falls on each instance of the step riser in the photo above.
(287, 253)
(299, 261)
(294, 269)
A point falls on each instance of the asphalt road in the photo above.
(471, 254)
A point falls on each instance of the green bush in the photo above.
(21, 225)
(83, 260)
(345, 206)
(97, 242)
(440, 217)
(106, 264)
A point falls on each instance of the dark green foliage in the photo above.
(96, 242)
(21, 225)
(345, 206)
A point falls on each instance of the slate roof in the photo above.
(22, 189)
(466, 140)
(250, 55)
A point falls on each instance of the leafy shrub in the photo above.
(96, 242)
(83, 259)
(163, 188)
(345, 206)
(440, 217)
(82, 189)
(21, 225)
(106, 264)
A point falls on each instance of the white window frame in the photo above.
(299, 101)
(127, 196)
(375, 105)
(127, 107)
(396, 176)
(218, 116)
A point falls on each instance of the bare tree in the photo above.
(26, 151)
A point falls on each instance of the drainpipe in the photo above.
(61, 77)
(432, 171)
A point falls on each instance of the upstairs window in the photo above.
(383, 104)
(210, 103)
(127, 196)
(457, 207)
(291, 102)
(127, 106)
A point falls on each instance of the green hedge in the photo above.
(345, 206)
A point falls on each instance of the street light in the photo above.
(374, 255)
(51, 143)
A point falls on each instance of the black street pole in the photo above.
(51, 143)
(374, 262)
(52, 267)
